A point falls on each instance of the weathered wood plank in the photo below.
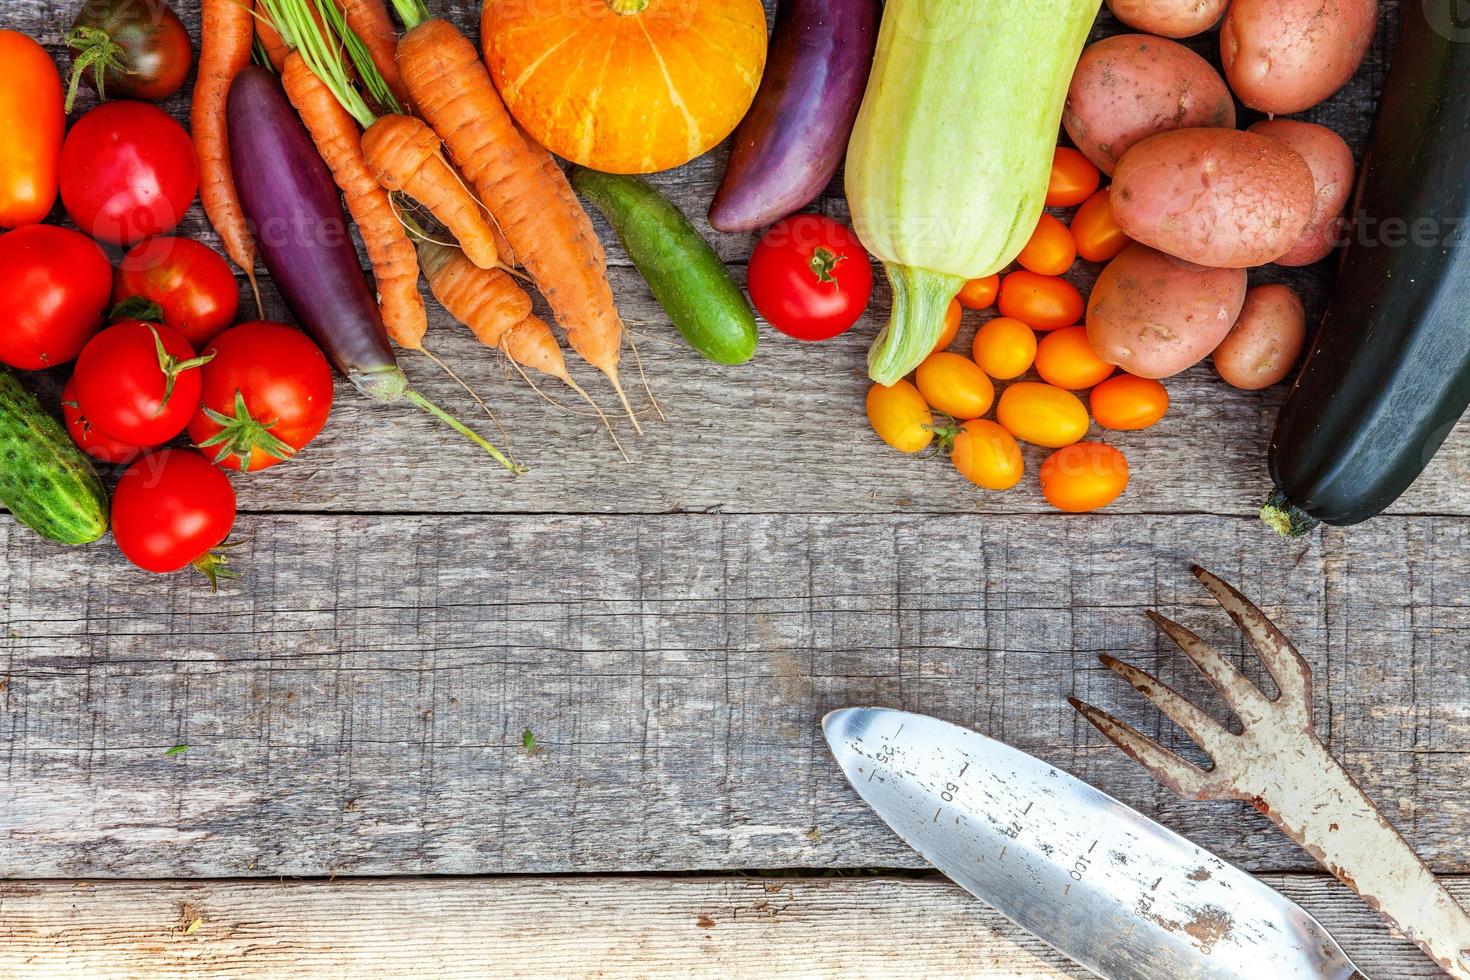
(647, 927)
(357, 706)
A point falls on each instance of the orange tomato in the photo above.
(1042, 414)
(1073, 179)
(951, 325)
(1128, 402)
(1004, 348)
(1041, 302)
(987, 455)
(1051, 251)
(31, 126)
(1096, 234)
(1065, 358)
(900, 416)
(979, 294)
(1084, 477)
(954, 385)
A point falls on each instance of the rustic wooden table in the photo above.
(671, 629)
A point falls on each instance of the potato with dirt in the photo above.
(1217, 197)
(1331, 162)
(1169, 18)
(1262, 347)
(1129, 87)
(1284, 56)
(1154, 315)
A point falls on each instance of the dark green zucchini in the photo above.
(1388, 373)
(45, 480)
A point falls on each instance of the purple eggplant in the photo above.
(294, 210)
(792, 140)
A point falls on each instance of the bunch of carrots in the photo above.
(417, 119)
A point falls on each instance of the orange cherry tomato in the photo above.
(1004, 348)
(1128, 402)
(1041, 302)
(1097, 235)
(1084, 477)
(1073, 179)
(1064, 358)
(951, 325)
(1051, 250)
(1041, 414)
(955, 385)
(900, 416)
(31, 126)
(987, 455)
(979, 294)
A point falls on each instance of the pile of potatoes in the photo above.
(1203, 201)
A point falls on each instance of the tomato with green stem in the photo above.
(130, 49)
(194, 288)
(173, 509)
(139, 382)
(266, 395)
(810, 277)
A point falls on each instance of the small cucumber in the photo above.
(45, 480)
(686, 277)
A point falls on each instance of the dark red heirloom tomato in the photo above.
(810, 277)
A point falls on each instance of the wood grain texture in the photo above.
(358, 706)
(565, 927)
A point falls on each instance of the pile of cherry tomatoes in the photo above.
(1037, 330)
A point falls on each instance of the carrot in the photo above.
(453, 93)
(275, 48)
(227, 36)
(405, 155)
(368, 19)
(488, 301)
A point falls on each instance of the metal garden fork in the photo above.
(1279, 766)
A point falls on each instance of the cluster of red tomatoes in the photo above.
(1032, 300)
(155, 350)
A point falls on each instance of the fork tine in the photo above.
(1242, 697)
(1288, 668)
(1179, 775)
(1198, 725)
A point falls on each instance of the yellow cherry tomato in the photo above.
(987, 455)
(955, 385)
(1064, 358)
(1096, 234)
(1041, 414)
(1127, 402)
(1004, 348)
(1051, 250)
(979, 294)
(1043, 302)
(1073, 179)
(1084, 477)
(951, 325)
(900, 416)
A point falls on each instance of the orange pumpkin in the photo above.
(626, 86)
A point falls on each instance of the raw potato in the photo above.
(1129, 87)
(1265, 342)
(1154, 316)
(1169, 18)
(1331, 163)
(1215, 197)
(1283, 56)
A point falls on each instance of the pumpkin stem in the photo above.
(627, 6)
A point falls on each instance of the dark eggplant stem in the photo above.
(1286, 518)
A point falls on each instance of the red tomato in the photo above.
(1073, 179)
(1040, 302)
(138, 382)
(31, 126)
(87, 438)
(127, 172)
(267, 393)
(171, 509)
(193, 286)
(810, 277)
(54, 285)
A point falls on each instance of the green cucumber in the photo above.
(45, 480)
(686, 276)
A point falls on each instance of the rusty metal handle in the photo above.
(1278, 765)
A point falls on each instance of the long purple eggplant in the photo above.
(792, 140)
(295, 212)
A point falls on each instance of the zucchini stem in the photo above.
(1286, 518)
(920, 299)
